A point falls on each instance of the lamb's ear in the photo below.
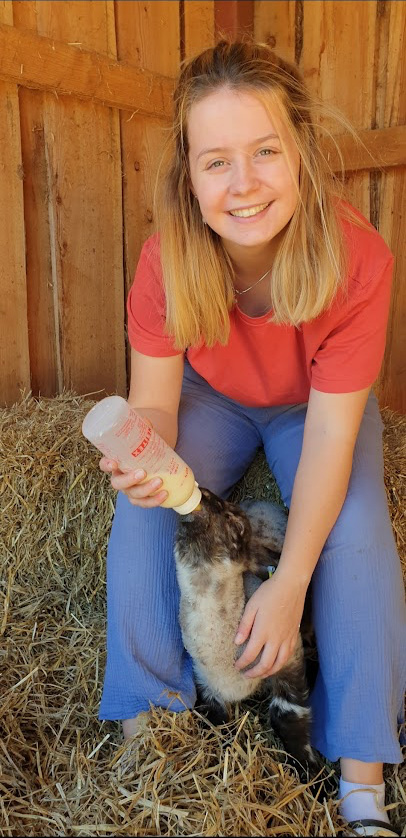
(261, 556)
(239, 521)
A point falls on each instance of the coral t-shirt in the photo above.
(265, 364)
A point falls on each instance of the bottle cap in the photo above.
(191, 503)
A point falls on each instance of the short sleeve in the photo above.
(146, 305)
(350, 356)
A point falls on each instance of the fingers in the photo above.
(140, 492)
(273, 658)
(107, 465)
(245, 627)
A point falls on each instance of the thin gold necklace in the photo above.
(239, 293)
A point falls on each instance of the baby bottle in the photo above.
(121, 434)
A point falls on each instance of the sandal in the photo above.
(369, 826)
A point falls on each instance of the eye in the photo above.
(217, 164)
(267, 152)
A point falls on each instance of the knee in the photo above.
(359, 569)
(140, 536)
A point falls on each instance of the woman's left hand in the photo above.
(272, 620)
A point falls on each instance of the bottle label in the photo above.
(141, 447)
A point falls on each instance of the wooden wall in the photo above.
(85, 93)
(352, 54)
(85, 97)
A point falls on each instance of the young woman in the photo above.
(258, 317)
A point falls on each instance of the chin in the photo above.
(251, 239)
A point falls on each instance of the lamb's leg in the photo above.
(209, 706)
(289, 712)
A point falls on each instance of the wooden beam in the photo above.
(378, 149)
(42, 63)
(233, 17)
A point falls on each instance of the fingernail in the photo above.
(156, 483)
(238, 637)
(139, 474)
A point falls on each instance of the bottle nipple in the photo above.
(192, 503)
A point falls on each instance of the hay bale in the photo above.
(62, 772)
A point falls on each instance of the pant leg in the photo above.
(358, 602)
(145, 653)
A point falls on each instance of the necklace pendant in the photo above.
(238, 293)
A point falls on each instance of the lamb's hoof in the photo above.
(214, 713)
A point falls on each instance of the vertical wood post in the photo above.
(233, 17)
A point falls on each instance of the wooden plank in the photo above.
(391, 195)
(151, 33)
(83, 25)
(233, 17)
(142, 143)
(40, 18)
(276, 24)
(44, 63)
(6, 11)
(148, 35)
(55, 317)
(84, 175)
(382, 148)
(390, 387)
(83, 210)
(46, 372)
(45, 366)
(14, 350)
(198, 26)
(337, 64)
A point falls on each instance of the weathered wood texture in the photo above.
(73, 213)
(234, 17)
(14, 351)
(85, 104)
(352, 56)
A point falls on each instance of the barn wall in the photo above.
(352, 56)
(85, 98)
(85, 101)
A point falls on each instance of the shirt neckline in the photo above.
(253, 321)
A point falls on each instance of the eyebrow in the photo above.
(220, 148)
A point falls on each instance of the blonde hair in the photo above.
(198, 275)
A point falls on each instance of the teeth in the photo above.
(245, 213)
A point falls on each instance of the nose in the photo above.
(244, 177)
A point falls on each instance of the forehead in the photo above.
(230, 118)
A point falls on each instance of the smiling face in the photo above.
(244, 169)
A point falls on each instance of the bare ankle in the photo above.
(355, 771)
(136, 725)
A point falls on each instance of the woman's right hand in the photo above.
(141, 494)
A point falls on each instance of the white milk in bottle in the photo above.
(121, 434)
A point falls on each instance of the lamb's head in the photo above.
(215, 531)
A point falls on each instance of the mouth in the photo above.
(250, 212)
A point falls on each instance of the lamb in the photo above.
(222, 554)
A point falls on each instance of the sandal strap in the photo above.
(386, 829)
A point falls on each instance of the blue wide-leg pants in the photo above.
(358, 593)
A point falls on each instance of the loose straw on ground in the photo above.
(62, 772)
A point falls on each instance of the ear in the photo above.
(237, 521)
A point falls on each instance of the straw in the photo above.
(63, 772)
